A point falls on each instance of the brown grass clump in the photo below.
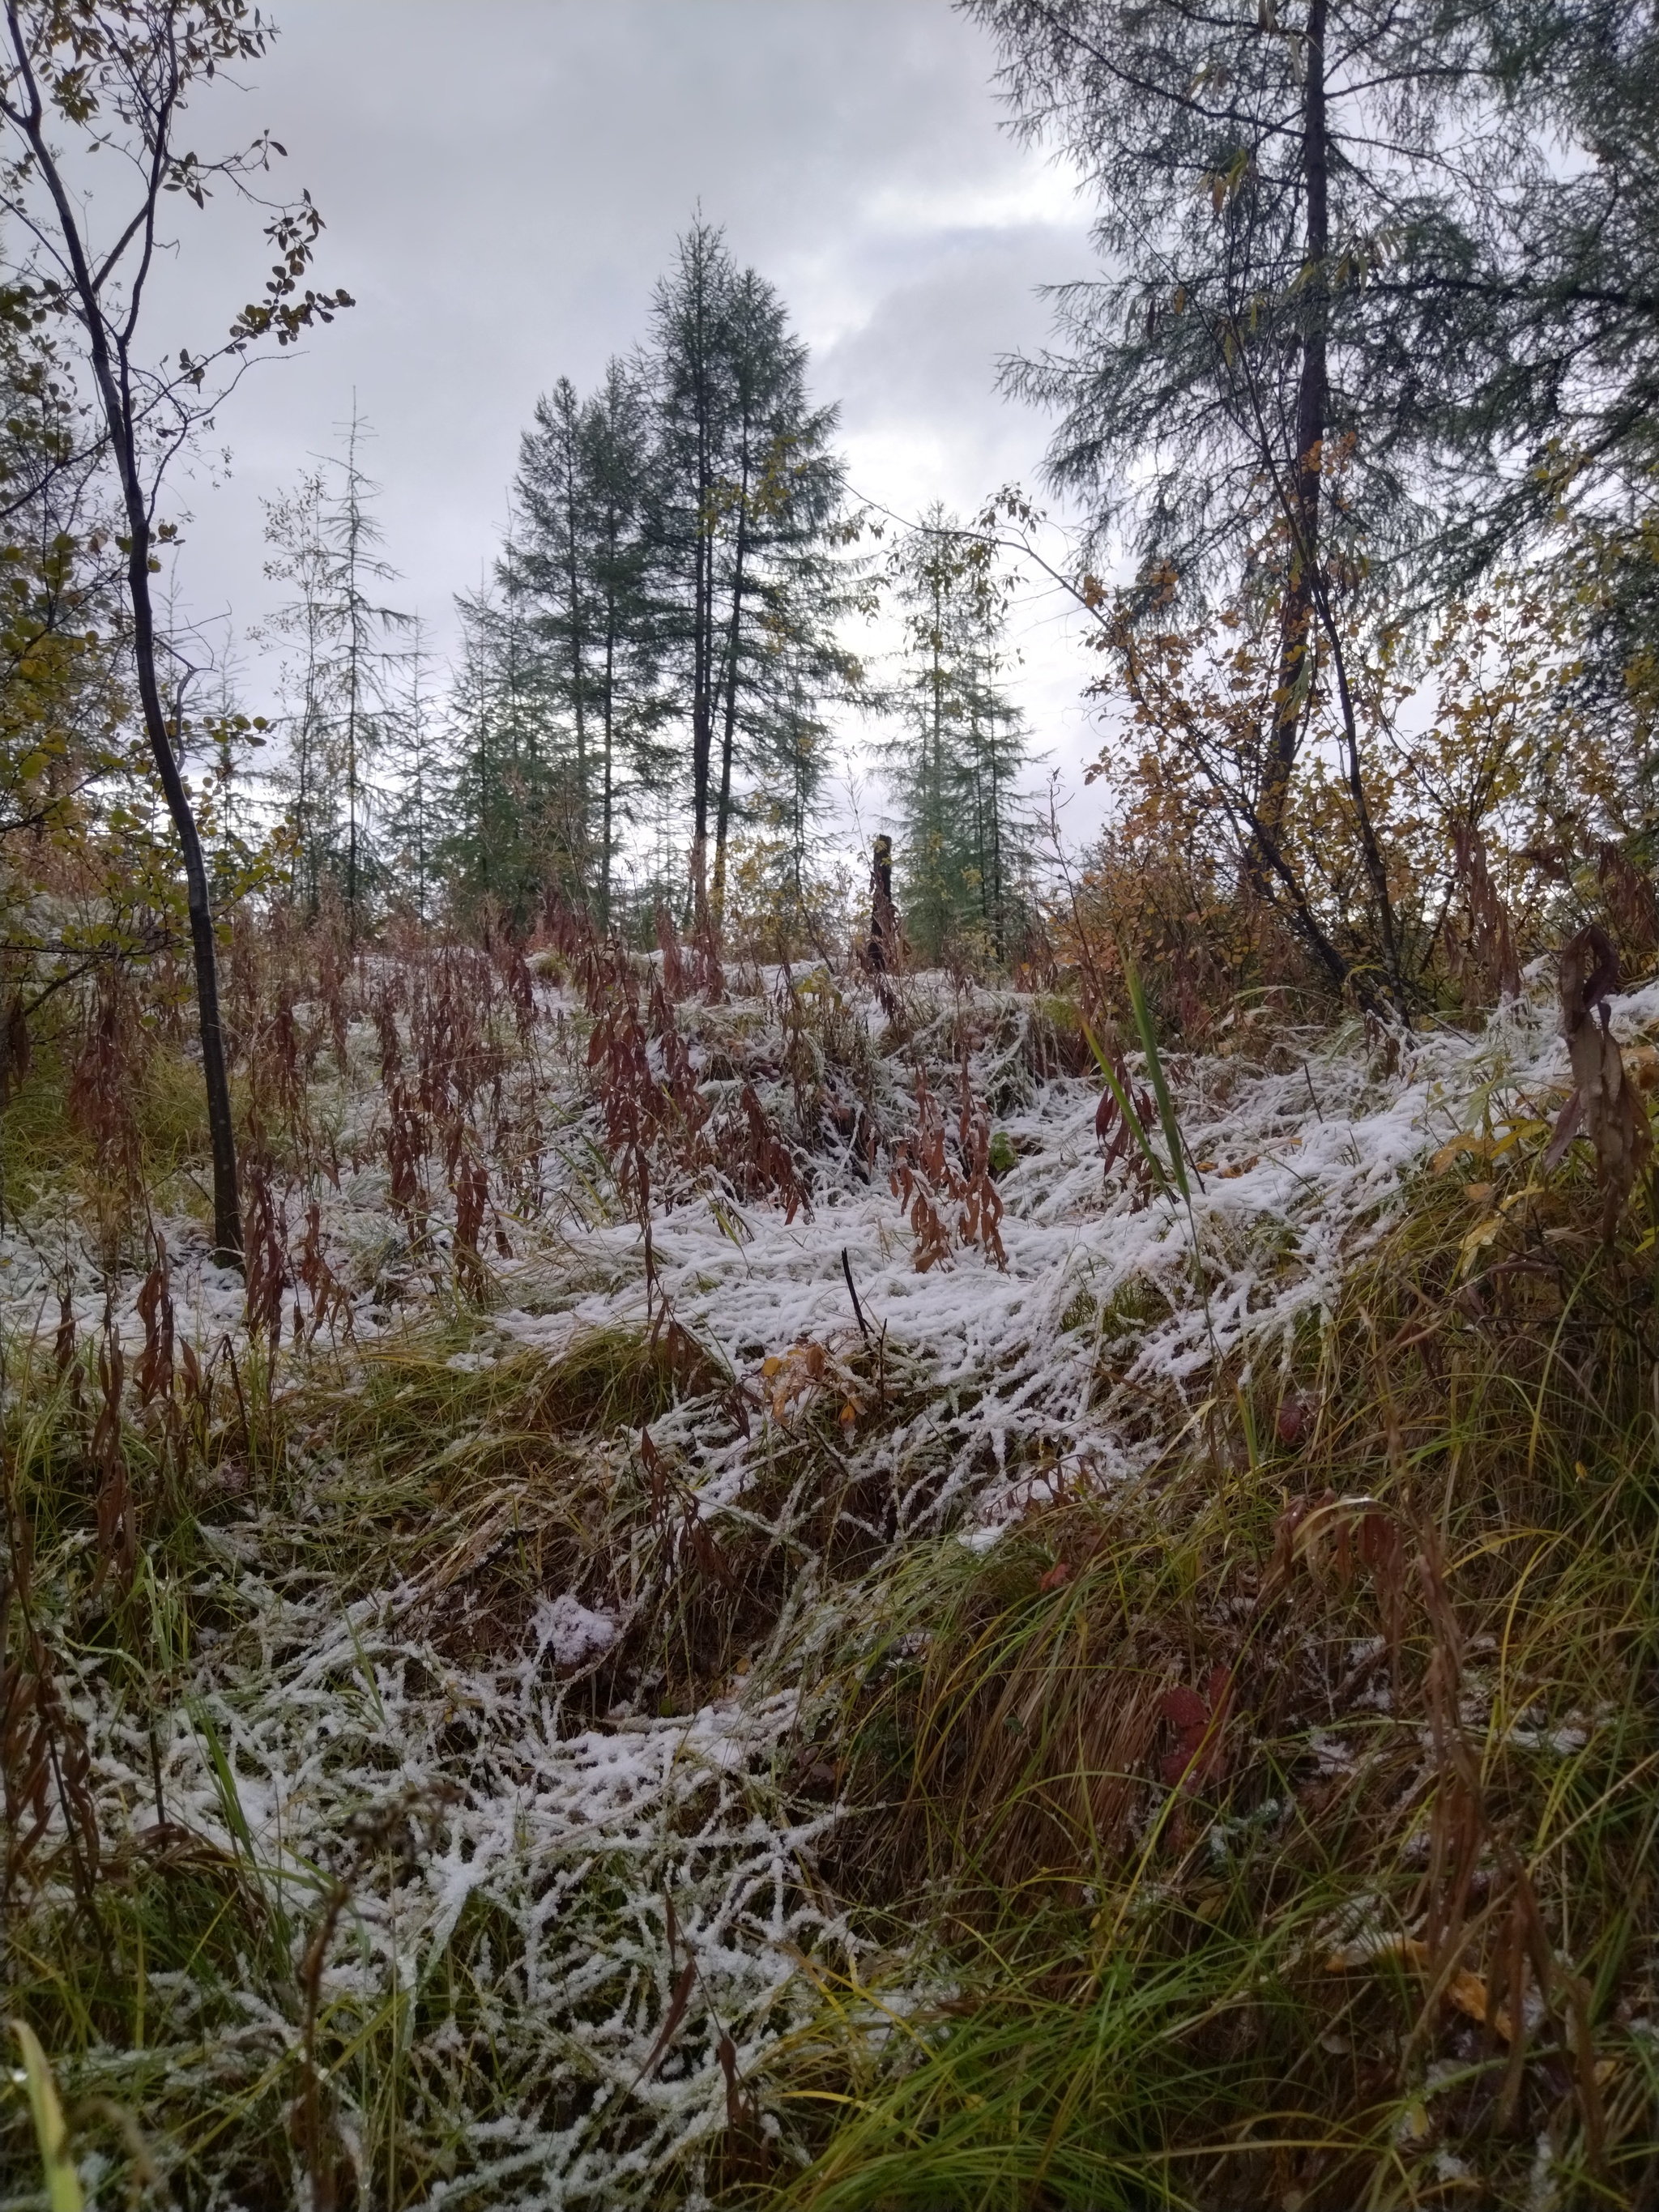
(1288, 1815)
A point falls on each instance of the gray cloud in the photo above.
(503, 180)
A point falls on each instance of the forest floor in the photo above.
(745, 1607)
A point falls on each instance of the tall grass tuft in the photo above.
(1286, 1821)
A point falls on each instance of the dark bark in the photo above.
(108, 352)
(1312, 409)
(703, 613)
(578, 642)
(729, 735)
(883, 928)
(606, 801)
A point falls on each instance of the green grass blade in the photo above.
(63, 2182)
(1131, 1119)
(1166, 1113)
(230, 1803)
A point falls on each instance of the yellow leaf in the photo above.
(1468, 1993)
(1478, 1237)
(1465, 1990)
(1450, 1154)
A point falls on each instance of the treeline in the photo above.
(640, 716)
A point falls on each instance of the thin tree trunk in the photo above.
(723, 811)
(701, 675)
(1312, 408)
(577, 662)
(610, 704)
(111, 374)
(227, 1203)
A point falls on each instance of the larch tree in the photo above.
(778, 501)
(342, 681)
(692, 406)
(362, 631)
(1267, 389)
(415, 821)
(305, 773)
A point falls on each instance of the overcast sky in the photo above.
(503, 181)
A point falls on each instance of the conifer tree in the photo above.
(514, 832)
(630, 706)
(747, 491)
(547, 576)
(326, 539)
(293, 529)
(583, 572)
(415, 822)
(953, 769)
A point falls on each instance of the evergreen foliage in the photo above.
(954, 769)
(648, 672)
(342, 681)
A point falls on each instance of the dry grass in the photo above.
(1275, 1830)
(1288, 1819)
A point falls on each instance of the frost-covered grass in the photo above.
(594, 1722)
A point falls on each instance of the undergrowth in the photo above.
(764, 1598)
(1287, 1820)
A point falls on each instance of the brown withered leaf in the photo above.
(1492, 934)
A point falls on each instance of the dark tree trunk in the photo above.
(703, 655)
(226, 1202)
(578, 653)
(107, 351)
(723, 809)
(884, 930)
(1312, 406)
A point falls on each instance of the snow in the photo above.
(504, 1809)
(570, 1630)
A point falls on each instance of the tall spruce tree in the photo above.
(746, 492)
(628, 706)
(583, 574)
(548, 575)
(953, 770)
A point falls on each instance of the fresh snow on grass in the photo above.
(517, 1890)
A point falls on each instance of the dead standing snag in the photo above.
(1604, 1102)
